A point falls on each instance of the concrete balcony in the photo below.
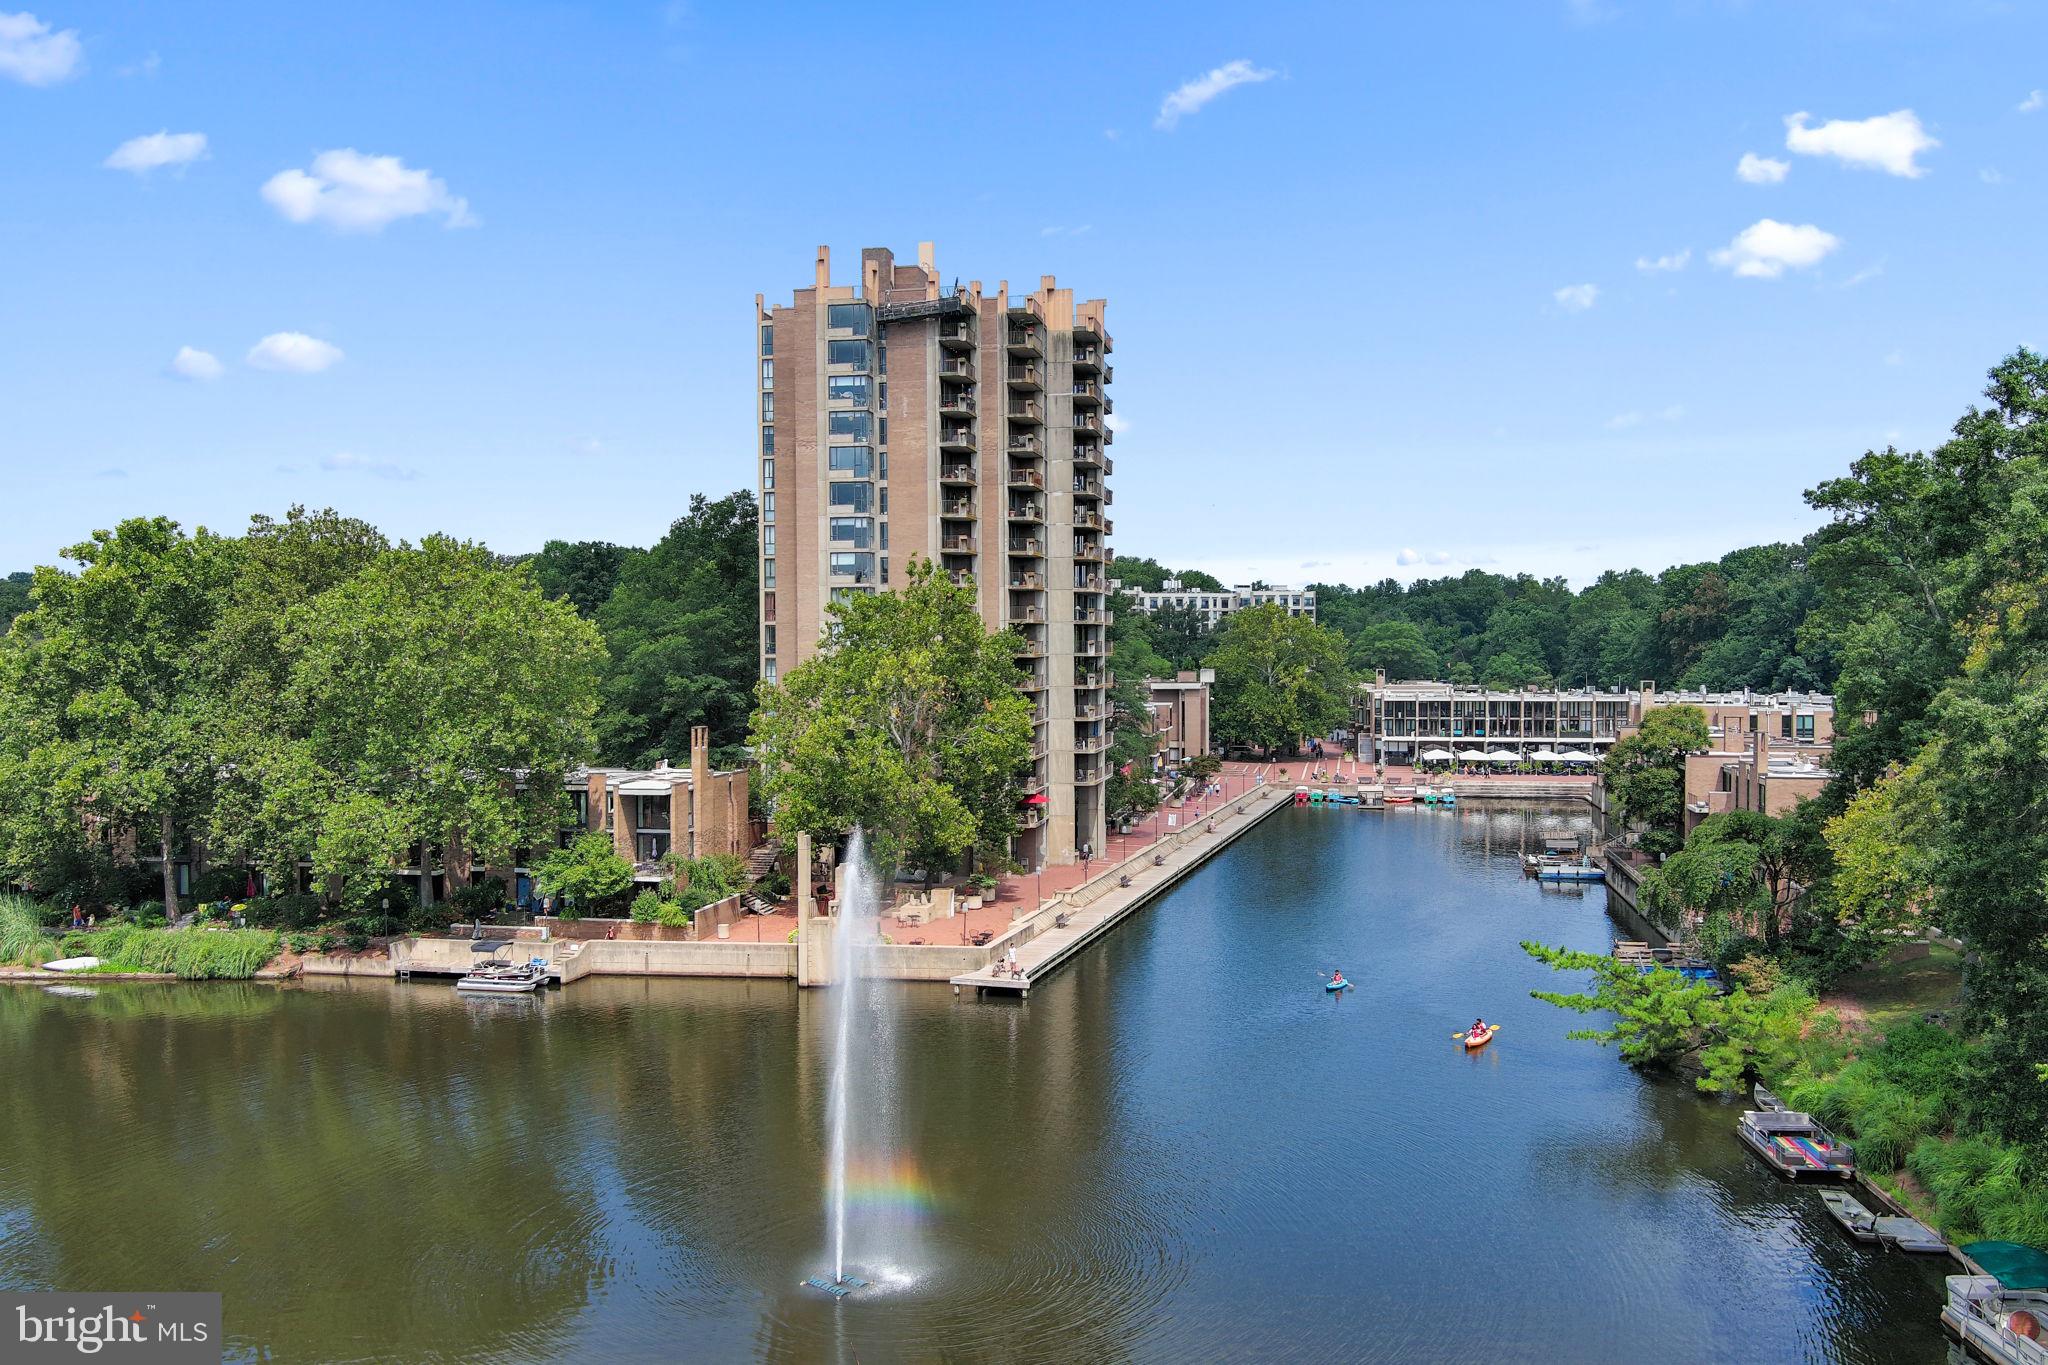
(957, 334)
(1026, 582)
(1089, 554)
(1032, 682)
(1026, 478)
(1088, 518)
(1028, 512)
(1028, 413)
(1025, 443)
(1092, 745)
(1027, 616)
(1087, 360)
(1026, 377)
(1087, 394)
(956, 545)
(961, 577)
(1026, 341)
(956, 437)
(959, 510)
(956, 367)
(1027, 547)
(956, 474)
(955, 400)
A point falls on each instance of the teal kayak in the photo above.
(1336, 985)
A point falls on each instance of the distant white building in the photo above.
(1212, 607)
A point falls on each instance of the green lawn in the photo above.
(1898, 990)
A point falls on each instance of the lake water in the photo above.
(1180, 1148)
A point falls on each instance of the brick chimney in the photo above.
(700, 785)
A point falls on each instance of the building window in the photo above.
(885, 502)
(767, 406)
(885, 571)
(767, 338)
(885, 431)
(848, 388)
(857, 317)
(853, 425)
(767, 509)
(852, 351)
(767, 440)
(768, 574)
(885, 466)
(860, 566)
(768, 671)
(767, 540)
(852, 530)
(851, 460)
(767, 473)
(768, 637)
(1805, 728)
(885, 395)
(854, 497)
(767, 374)
(885, 535)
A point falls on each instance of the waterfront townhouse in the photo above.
(1212, 607)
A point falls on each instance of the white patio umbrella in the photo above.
(1544, 756)
(1436, 756)
(1503, 756)
(1472, 755)
(1574, 756)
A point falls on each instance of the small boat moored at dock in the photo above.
(1795, 1145)
(495, 975)
(1846, 1209)
(1569, 870)
(1995, 1323)
(1910, 1234)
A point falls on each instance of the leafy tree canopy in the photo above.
(1279, 679)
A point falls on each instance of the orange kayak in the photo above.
(1482, 1039)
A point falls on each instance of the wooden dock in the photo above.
(1079, 924)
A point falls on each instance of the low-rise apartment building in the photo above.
(1212, 607)
(1180, 717)
(1396, 722)
(1759, 774)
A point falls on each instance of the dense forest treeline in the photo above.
(1739, 621)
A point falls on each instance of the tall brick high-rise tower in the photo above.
(903, 418)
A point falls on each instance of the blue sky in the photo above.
(505, 256)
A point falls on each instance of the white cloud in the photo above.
(1194, 94)
(1761, 170)
(293, 353)
(32, 54)
(1438, 556)
(1576, 298)
(1677, 260)
(351, 192)
(1887, 143)
(1768, 248)
(1622, 421)
(1863, 276)
(189, 363)
(1990, 175)
(148, 66)
(1116, 424)
(348, 462)
(2033, 103)
(152, 150)
(1407, 557)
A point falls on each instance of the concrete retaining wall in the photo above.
(708, 958)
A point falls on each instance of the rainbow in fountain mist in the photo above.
(895, 1186)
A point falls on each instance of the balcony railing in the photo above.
(1024, 377)
(1026, 412)
(1026, 341)
(1026, 545)
(956, 367)
(957, 545)
(1026, 478)
(957, 437)
(1026, 582)
(960, 510)
(1024, 443)
(1026, 511)
(956, 402)
(956, 473)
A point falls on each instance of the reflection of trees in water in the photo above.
(1782, 1239)
(357, 1174)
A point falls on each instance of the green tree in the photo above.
(907, 724)
(443, 700)
(102, 702)
(1737, 870)
(14, 597)
(1181, 636)
(1884, 874)
(1660, 1017)
(1278, 678)
(1645, 773)
(682, 627)
(580, 572)
(589, 872)
(1396, 646)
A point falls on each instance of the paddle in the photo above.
(1467, 1033)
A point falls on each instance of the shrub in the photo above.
(299, 942)
(296, 911)
(478, 900)
(193, 954)
(647, 908)
(21, 930)
(674, 914)
(148, 913)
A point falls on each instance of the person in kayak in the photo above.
(1336, 977)
(1478, 1029)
